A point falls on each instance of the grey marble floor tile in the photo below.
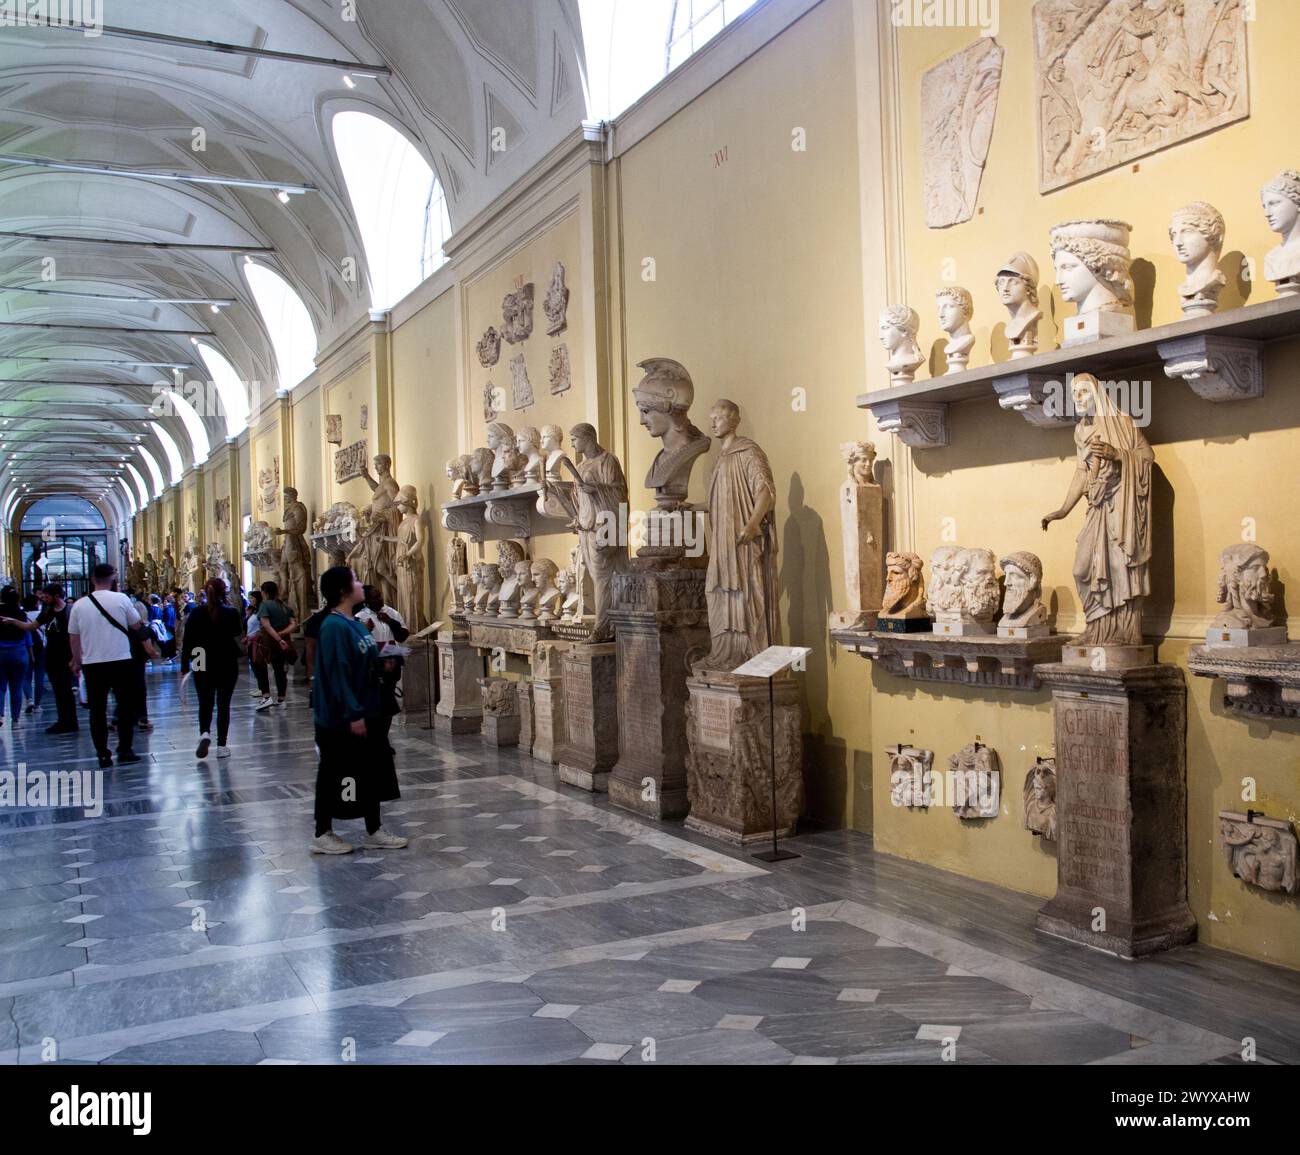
(1049, 1036)
(848, 1029)
(479, 1004)
(529, 1041)
(768, 992)
(711, 1048)
(211, 1048)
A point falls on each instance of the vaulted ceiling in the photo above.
(448, 72)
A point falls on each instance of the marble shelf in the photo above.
(1219, 356)
(268, 559)
(336, 543)
(988, 661)
(1263, 681)
(502, 514)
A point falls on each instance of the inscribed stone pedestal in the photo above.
(460, 701)
(591, 745)
(1121, 808)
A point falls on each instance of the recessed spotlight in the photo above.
(216, 308)
(282, 197)
(349, 81)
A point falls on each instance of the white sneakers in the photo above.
(382, 840)
(265, 703)
(223, 751)
(331, 843)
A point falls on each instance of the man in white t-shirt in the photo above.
(384, 623)
(99, 630)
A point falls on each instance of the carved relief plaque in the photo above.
(959, 99)
(334, 428)
(350, 462)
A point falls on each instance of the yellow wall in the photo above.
(345, 397)
(265, 439)
(758, 292)
(1216, 465)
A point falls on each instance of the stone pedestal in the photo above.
(526, 718)
(590, 705)
(501, 721)
(1121, 797)
(862, 519)
(419, 683)
(729, 767)
(460, 701)
(549, 731)
(661, 623)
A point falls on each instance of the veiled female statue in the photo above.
(1112, 562)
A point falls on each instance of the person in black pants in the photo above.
(213, 653)
(58, 659)
(275, 622)
(100, 627)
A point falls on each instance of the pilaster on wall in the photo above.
(284, 406)
(381, 378)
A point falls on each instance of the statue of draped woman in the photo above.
(1112, 561)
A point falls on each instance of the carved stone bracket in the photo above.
(922, 425)
(263, 559)
(1037, 397)
(991, 662)
(501, 515)
(1263, 681)
(1217, 368)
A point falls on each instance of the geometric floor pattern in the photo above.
(530, 923)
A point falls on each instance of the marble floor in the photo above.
(530, 923)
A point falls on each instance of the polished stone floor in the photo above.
(530, 923)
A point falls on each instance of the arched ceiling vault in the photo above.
(79, 366)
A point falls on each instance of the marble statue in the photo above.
(959, 98)
(489, 348)
(1040, 799)
(191, 568)
(600, 494)
(1260, 850)
(215, 561)
(528, 442)
(167, 571)
(1017, 286)
(740, 585)
(478, 477)
(911, 776)
(556, 305)
(904, 598)
(1281, 199)
(976, 777)
(295, 558)
(861, 459)
(899, 325)
(150, 573)
(1023, 612)
(1092, 271)
(1246, 594)
(1112, 558)
(956, 308)
(457, 561)
(410, 559)
(546, 597)
(1119, 79)
(374, 556)
(552, 452)
(506, 462)
(517, 315)
(663, 397)
(1197, 232)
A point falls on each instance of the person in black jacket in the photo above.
(58, 658)
(213, 652)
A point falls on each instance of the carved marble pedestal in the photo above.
(549, 732)
(525, 718)
(660, 622)
(419, 683)
(862, 519)
(1121, 794)
(728, 763)
(460, 701)
(590, 703)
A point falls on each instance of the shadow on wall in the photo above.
(805, 578)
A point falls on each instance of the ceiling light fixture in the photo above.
(146, 174)
(213, 301)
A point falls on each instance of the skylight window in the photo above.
(293, 336)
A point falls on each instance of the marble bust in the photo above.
(899, 325)
(463, 592)
(1281, 200)
(528, 442)
(506, 461)
(487, 600)
(527, 601)
(861, 459)
(1023, 612)
(1197, 232)
(552, 451)
(570, 596)
(1040, 799)
(956, 308)
(1092, 264)
(509, 555)
(944, 594)
(969, 599)
(458, 475)
(478, 476)
(546, 596)
(904, 588)
(1260, 850)
(1247, 597)
(1017, 286)
(976, 775)
(663, 397)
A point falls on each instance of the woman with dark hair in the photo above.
(214, 644)
(34, 687)
(356, 769)
(15, 651)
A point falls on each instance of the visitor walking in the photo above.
(388, 629)
(100, 628)
(58, 659)
(214, 643)
(15, 652)
(356, 772)
(34, 687)
(274, 649)
(252, 624)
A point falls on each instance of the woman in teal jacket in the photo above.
(356, 770)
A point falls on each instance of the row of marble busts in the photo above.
(1092, 264)
(535, 592)
(508, 461)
